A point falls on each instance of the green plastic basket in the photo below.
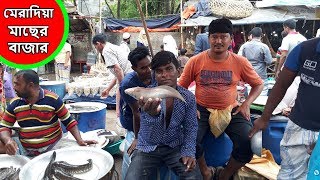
(113, 148)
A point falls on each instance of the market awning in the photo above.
(270, 3)
(164, 22)
(260, 16)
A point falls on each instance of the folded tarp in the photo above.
(164, 22)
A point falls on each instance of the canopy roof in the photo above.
(261, 15)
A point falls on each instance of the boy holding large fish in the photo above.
(168, 126)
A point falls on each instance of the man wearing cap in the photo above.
(217, 72)
(259, 56)
(289, 42)
(125, 43)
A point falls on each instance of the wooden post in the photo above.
(146, 8)
(181, 21)
(244, 33)
(145, 26)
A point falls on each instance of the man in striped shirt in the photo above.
(37, 112)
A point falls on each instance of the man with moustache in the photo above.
(37, 112)
(217, 73)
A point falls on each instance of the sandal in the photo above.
(217, 173)
(213, 171)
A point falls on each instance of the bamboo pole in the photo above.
(181, 21)
(144, 26)
(146, 8)
(244, 33)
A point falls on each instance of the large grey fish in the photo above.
(60, 174)
(155, 92)
(73, 169)
(48, 172)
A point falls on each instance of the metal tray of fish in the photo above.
(85, 107)
(16, 161)
(102, 162)
(10, 166)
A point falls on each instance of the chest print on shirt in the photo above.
(215, 78)
(310, 65)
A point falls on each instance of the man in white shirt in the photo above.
(125, 43)
(289, 42)
(63, 64)
(116, 62)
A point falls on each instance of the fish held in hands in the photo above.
(155, 92)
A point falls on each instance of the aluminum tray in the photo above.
(102, 162)
(16, 161)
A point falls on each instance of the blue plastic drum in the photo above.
(58, 87)
(91, 119)
(217, 151)
(273, 134)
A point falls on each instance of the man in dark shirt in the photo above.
(129, 108)
(168, 134)
(303, 127)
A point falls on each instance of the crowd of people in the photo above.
(168, 133)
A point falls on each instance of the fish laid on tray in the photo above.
(82, 108)
(64, 170)
(155, 92)
(9, 173)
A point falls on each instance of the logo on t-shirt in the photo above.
(311, 65)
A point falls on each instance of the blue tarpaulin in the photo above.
(165, 22)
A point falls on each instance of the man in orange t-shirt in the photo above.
(217, 73)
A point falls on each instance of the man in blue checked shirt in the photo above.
(167, 135)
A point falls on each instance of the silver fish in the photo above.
(9, 173)
(155, 92)
(62, 175)
(15, 175)
(48, 172)
(73, 169)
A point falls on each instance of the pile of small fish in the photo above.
(9, 173)
(82, 108)
(64, 170)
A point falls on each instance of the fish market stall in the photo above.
(88, 88)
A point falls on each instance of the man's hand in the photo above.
(259, 124)
(11, 147)
(105, 93)
(277, 74)
(244, 109)
(151, 106)
(198, 115)
(286, 111)
(86, 142)
(190, 162)
(132, 147)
